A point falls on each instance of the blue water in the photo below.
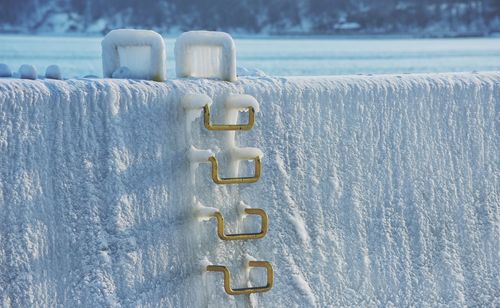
(79, 56)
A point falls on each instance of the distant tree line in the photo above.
(260, 16)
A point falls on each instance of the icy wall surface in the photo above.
(380, 191)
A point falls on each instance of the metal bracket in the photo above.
(241, 180)
(248, 126)
(227, 278)
(243, 236)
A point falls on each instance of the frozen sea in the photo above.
(80, 56)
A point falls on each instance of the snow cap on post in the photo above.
(27, 71)
(5, 70)
(205, 54)
(53, 72)
(142, 52)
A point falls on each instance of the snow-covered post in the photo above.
(5, 70)
(28, 71)
(137, 54)
(53, 72)
(205, 54)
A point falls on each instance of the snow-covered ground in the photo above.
(381, 191)
(278, 56)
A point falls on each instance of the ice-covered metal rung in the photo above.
(243, 236)
(239, 180)
(247, 126)
(227, 278)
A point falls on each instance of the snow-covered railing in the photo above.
(207, 54)
(380, 191)
(130, 53)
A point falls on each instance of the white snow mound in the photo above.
(27, 71)
(5, 70)
(53, 72)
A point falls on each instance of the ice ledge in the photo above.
(380, 190)
(270, 81)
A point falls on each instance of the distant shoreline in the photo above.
(239, 35)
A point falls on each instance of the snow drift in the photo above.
(380, 191)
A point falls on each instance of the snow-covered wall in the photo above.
(380, 191)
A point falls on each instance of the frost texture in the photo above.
(380, 191)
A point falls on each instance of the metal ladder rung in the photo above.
(239, 291)
(240, 180)
(243, 236)
(247, 126)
